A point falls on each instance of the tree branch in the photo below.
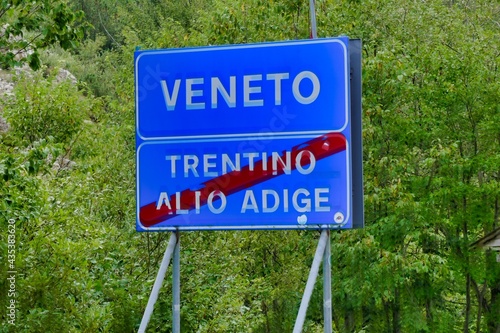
(28, 44)
(107, 32)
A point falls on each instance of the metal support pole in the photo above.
(158, 282)
(327, 287)
(312, 12)
(176, 287)
(313, 274)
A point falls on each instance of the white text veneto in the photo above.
(196, 92)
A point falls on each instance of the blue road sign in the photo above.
(244, 136)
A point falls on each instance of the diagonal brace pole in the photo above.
(313, 274)
(158, 282)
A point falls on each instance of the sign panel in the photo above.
(238, 90)
(244, 137)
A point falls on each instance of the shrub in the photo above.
(42, 107)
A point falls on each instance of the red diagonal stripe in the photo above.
(235, 181)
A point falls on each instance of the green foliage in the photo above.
(242, 282)
(137, 23)
(92, 65)
(48, 22)
(426, 154)
(42, 108)
(431, 131)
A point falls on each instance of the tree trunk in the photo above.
(480, 300)
(396, 313)
(349, 321)
(467, 303)
(387, 310)
(493, 317)
(428, 314)
(482, 303)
